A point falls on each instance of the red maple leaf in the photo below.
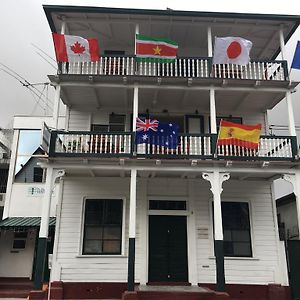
(77, 48)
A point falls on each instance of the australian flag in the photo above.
(157, 133)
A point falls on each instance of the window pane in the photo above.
(92, 247)
(240, 235)
(113, 214)
(243, 249)
(93, 232)
(19, 244)
(112, 247)
(20, 235)
(38, 174)
(29, 141)
(112, 233)
(236, 229)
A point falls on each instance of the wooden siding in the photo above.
(79, 120)
(261, 269)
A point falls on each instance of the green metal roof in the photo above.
(24, 222)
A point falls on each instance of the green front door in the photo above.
(168, 249)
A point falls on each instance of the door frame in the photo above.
(187, 213)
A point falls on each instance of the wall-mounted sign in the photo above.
(35, 191)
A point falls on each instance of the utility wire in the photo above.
(29, 87)
(35, 46)
(27, 84)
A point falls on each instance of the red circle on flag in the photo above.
(234, 49)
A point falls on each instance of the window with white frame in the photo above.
(236, 229)
(102, 226)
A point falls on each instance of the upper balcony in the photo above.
(82, 144)
(184, 67)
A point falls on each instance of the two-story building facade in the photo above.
(199, 214)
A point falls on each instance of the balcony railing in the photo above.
(188, 67)
(201, 146)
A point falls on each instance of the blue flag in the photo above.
(296, 59)
(157, 133)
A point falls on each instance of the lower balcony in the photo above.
(197, 146)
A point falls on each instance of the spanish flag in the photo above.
(246, 136)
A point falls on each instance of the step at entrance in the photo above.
(15, 287)
(147, 292)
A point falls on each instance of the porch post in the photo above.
(44, 227)
(216, 179)
(213, 118)
(282, 44)
(135, 109)
(56, 106)
(132, 225)
(209, 42)
(56, 103)
(294, 179)
(292, 127)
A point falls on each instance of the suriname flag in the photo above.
(155, 49)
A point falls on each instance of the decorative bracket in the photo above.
(216, 180)
(291, 179)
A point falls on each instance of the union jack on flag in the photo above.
(146, 125)
(153, 132)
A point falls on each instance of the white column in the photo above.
(295, 181)
(292, 127)
(282, 44)
(135, 111)
(192, 236)
(209, 42)
(63, 27)
(132, 208)
(137, 31)
(213, 117)
(56, 268)
(216, 179)
(56, 105)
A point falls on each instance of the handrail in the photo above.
(191, 67)
(202, 146)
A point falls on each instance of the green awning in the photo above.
(27, 222)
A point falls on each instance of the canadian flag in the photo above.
(71, 48)
(232, 50)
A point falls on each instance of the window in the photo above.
(27, 155)
(230, 118)
(103, 226)
(38, 174)
(19, 242)
(116, 123)
(236, 229)
(167, 205)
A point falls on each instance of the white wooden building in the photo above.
(130, 215)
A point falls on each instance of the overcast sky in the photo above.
(24, 29)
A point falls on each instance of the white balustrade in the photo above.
(81, 143)
(269, 147)
(111, 144)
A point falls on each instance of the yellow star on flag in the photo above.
(157, 50)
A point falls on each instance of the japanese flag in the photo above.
(71, 48)
(232, 50)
